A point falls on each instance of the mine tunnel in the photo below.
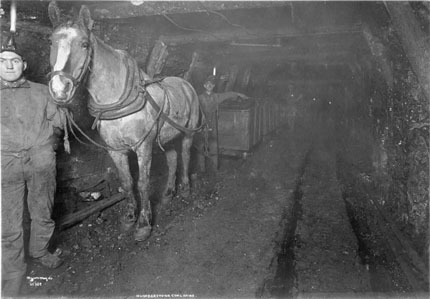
(322, 183)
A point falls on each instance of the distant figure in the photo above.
(293, 104)
(207, 141)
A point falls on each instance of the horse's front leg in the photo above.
(121, 162)
(144, 158)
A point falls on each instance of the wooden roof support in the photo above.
(194, 59)
(157, 59)
(415, 42)
(335, 58)
(126, 9)
(232, 76)
(310, 82)
(241, 34)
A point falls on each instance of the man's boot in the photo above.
(49, 260)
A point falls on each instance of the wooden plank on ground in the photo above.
(73, 218)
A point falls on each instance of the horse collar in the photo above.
(130, 100)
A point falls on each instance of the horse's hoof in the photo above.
(142, 233)
(185, 191)
(167, 196)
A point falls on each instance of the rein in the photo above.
(130, 101)
(160, 114)
(71, 123)
(167, 119)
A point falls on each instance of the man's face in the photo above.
(209, 86)
(11, 66)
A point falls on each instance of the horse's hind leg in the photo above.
(187, 142)
(121, 162)
(144, 158)
(172, 163)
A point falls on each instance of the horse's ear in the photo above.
(85, 17)
(54, 13)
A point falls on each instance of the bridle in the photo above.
(75, 81)
(139, 89)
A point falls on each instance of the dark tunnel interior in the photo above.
(360, 66)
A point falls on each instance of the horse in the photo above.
(132, 112)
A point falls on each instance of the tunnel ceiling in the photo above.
(321, 37)
(269, 35)
(258, 33)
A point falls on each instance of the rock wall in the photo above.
(386, 135)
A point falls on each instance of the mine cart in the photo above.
(238, 126)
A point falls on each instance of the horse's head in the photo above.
(71, 52)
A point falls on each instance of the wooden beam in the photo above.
(241, 34)
(126, 9)
(244, 81)
(310, 82)
(414, 41)
(157, 59)
(73, 218)
(232, 76)
(335, 58)
(194, 59)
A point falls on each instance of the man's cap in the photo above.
(10, 46)
(211, 79)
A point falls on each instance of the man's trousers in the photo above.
(32, 175)
(207, 150)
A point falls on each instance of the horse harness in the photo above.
(131, 101)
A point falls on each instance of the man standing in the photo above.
(207, 141)
(28, 167)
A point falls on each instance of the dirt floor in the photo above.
(271, 225)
